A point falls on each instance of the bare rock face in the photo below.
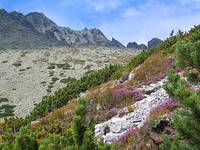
(136, 46)
(40, 22)
(16, 32)
(116, 43)
(154, 42)
(35, 30)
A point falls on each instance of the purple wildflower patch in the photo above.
(107, 115)
(128, 133)
(168, 63)
(194, 87)
(119, 93)
(168, 104)
(112, 112)
(159, 77)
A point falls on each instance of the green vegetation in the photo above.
(24, 140)
(79, 137)
(54, 79)
(17, 63)
(22, 70)
(43, 82)
(23, 54)
(53, 142)
(187, 54)
(51, 67)
(6, 110)
(72, 90)
(64, 66)
(87, 67)
(50, 86)
(28, 68)
(3, 99)
(79, 131)
(67, 80)
(186, 121)
(5, 61)
(194, 76)
(78, 61)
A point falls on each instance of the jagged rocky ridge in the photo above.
(150, 44)
(35, 30)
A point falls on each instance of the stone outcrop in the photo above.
(153, 42)
(118, 126)
(134, 45)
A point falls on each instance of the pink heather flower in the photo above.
(119, 93)
(159, 77)
(98, 118)
(112, 112)
(148, 82)
(88, 119)
(168, 63)
(127, 134)
(169, 104)
(170, 114)
(194, 87)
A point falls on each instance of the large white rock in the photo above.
(136, 119)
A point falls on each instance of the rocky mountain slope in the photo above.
(35, 30)
(152, 102)
(44, 71)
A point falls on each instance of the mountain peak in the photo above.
(116, 43)
(40, 22)
(35, 30)
(3, 11)
(154, 42)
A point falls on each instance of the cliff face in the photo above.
(35, 30)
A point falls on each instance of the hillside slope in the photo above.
(156, 93)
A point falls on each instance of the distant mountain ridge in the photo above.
(150, 44)
(35, 30)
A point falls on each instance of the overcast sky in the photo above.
(125, 20)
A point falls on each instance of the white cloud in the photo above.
(157, 20)
(104, 5)
(131, 12)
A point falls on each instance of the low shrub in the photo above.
(3, 99)
(187, 54)
(67, 80)
(54, 79)
(51, 67)
(186, 120)
(17, 63)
